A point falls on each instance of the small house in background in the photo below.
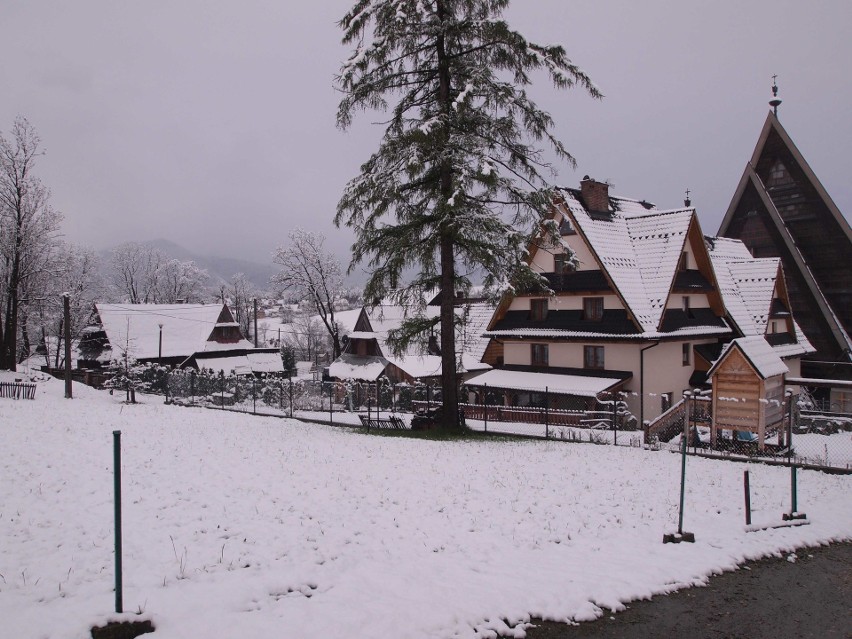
(368, 357)
(179, 335)
(748, 390)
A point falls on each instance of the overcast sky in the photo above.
(212, 123)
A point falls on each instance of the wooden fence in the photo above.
(17, 390)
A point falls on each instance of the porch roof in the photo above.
(581, 385)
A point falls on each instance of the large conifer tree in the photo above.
(456, 186)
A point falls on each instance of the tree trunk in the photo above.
(449, 378)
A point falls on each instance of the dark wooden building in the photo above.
(780, 209)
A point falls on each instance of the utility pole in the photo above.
(66, 309)
(255, 321)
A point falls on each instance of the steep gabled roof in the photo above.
(800, 222)
(759, 354)
(186, 328)
(638, 248)
(748, 286)
(772, 126)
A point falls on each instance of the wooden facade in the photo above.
(780, 209)
(745, 400)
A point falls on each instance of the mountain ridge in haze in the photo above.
(219, 268)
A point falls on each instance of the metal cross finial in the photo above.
(687, 201)
(774, 102)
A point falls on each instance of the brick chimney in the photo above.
(595, 195)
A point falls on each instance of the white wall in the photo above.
(664, 369)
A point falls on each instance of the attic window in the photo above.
(538, 310)
(686, 354)
(593, 309)
(561, 264)
(565, 228)
(778, 174)
(684, 261)
(686, 307)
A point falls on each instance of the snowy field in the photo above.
(242, 526)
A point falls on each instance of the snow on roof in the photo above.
(639, 247)
(759, 354)
(418, 366)
(555, 333)
(472, 339)
(356, 367)
(244, 363)
(136, 327)
(346, 319)
(362, 335)
(541, 382)
(265, 362)
(747, 288)
(727, 248)
(747, 285)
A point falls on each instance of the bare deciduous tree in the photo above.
(314, 274)
(29, 232)
(240, 293)
(142, 274)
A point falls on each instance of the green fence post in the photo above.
(116, 453)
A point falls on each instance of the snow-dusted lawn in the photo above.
(241, 526)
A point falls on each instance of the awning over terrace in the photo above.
(580, 385)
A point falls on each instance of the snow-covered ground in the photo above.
(237, 525)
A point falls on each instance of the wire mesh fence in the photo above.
(802, 431)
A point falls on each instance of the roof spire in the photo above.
(687, 202)
(774, 102)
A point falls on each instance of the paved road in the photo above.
(773, 599)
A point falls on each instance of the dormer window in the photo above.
(538, 310)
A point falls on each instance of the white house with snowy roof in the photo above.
(633, 311)
(180, 335)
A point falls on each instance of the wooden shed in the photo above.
(748, 389)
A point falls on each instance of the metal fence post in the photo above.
(291, 397)
(253, 396)
(116, 452)
(330, 403)
(614, 425)
(546, 412)
(192, 387)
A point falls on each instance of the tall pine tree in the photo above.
(456, 186)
